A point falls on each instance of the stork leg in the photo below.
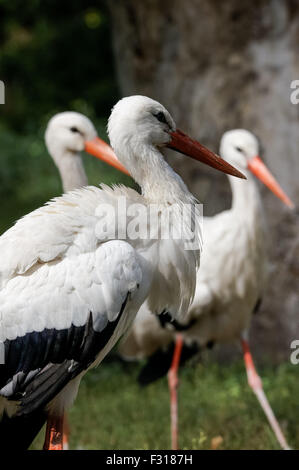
(256, 385)
(54, 433)
(173, 384)
(66, 432)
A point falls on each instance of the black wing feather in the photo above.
(40, 364)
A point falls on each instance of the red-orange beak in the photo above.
(259, 169)
(184, 144)
(98, 148)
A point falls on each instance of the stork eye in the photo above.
(239, 149)
(161, 117)
(74, 129)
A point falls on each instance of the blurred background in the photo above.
(215, 66)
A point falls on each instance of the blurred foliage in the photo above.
(29, 178)
(54, 56)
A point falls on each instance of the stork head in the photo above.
(238, 147)
(70, 132)
(67, 132)
(137, 121)
(241, 148)
(138, 124)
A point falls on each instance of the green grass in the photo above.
(112, 412)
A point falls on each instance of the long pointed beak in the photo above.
(259, 169)
(98, 148)
(184, 144)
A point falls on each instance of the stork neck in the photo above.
(158, 181)
(246, 199)
(71, 170)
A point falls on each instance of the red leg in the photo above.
(173, 384)
(256, 385)
(66, 432)
(54, 433)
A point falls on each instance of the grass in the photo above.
(112, 412)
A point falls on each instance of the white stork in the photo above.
(229, 286)
(70, 289)
(67, 134)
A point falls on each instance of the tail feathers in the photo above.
(159, 363)
(17, 433)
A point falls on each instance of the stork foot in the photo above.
(66, 433)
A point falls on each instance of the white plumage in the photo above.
(68, 290)
(227, 287)
(77, 276)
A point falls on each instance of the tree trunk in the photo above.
(218, 65)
